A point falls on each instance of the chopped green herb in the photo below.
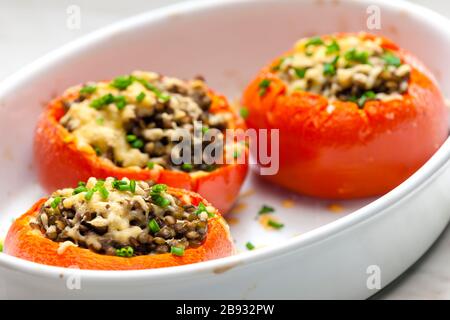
(88, 90)
(243, 111)
(186, 167)
(122, 82)
(98, 151)
(131, 137)
(315, 41)
(133, 186)
(333, 47)
(159, 200)
(266, 209)
(177, 251)
(263, 86)
(163, 97)
(102, 101)
(368, 95)
(80, 189)
(55, 202)
(329, 69)
(236, 154)
(158, 188)
(274, 224)
(120, 102)
(250, 246)
(392, 60)
(150, 165)
(137, 144)
(278, 65)
(89, 194)
(1, 245)
(140, 97)
(125, 252)
(103, 192)
(300, 72)
(205, 129)
(81, 183)
(100, 121)
(200, 208)
(210, 167)
(357, 56)
(123, 187)
(153, 226)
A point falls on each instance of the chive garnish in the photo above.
(357, 56)
(333, 47)
(1, 246)
(314, 41)
(80, 189)
(274, 224)
(102, 101)
(163, 97)
(150, 165)
(140, 97)
(88, 90)
(266, 209)
(186, 167)
(131, 137)
(103, 192)
(159, 200)
(97, 150)
(177, 251)
(392, 60)
(158, 188)
(153, 226)
(120, 102)
(205, 129)
(133, 186)
(89, 194)
(278, 65)
(249, 246)
(55, 202)
(137, 144)
(122, 82)
(243, 112)
(263, 86)
(125, 252)
(236, 154)
(300, 72)
(368, 95)
(329, 69)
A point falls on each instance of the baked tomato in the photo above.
(357, 115)
(120, 225)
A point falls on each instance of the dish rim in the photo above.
(419, 179)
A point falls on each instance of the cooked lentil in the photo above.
(141, 116)
(346, 68)
(126, 222)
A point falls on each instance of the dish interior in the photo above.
(227, 55)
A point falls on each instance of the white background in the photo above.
(31, 28)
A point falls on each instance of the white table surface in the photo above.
(31, 28)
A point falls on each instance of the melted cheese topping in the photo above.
(345, 68)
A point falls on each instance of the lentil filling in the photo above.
(135, 120)
(350, 68)
(123, 218)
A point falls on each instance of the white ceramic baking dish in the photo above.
(320, 253)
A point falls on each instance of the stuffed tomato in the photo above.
(357, 115)
(128, 127)
(120, 225)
